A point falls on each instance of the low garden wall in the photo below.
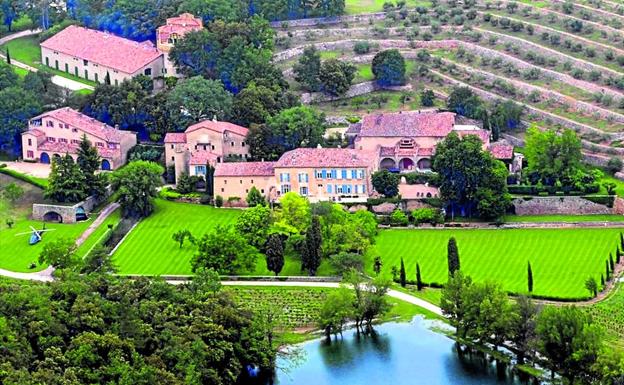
(559, 205)
(66, 213)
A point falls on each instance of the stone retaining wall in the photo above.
(354, 90)
(564, 205)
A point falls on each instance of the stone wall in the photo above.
(566, 205)
(66, 212)
(354, 90)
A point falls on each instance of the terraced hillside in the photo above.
(563, 62)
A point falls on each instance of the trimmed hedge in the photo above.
(591, 188)
(606, 200)
(38, 182)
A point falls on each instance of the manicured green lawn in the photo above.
(149, 249)
(98, 235)
(564, 218)
(561, 259)
(15, 252)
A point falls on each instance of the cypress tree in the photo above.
(402, 278)
(530, 278)
(452, 256)
(377, 265)
(419, 283)
(313, 246)
(618, 255)
(8, 56)
(602, 281)
(608, 275)
(275, 253)
(621, 240)
(611, 263)
(107, 79)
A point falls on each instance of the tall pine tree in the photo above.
(89, 162)
(530, 278)
(66, 182)
(312, 247)
(308, 68)
(452, 256)
(275, 253)
(611, 263)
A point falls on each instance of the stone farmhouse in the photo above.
(205, 143)
(400, 142)
(320, 174)
(59, 132)
(95, 55)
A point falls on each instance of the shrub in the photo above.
(362, 47)
(398, 218)
(614, 165)
(219, 201)
(427, 215)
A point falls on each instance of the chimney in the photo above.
(214, 118)
(116, 126)
(319, 146)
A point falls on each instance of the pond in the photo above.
(398, 354)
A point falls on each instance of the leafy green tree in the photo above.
(452, 256)
(210, 10)
(255, 198)
(257, 102)
(344, 262)
(66, 182)
(610, 187)
(295, 212)
(402, 277)
(274, 251)
(336, 311)
(398, 218)
(614, 165)
(206, 281)
(296, 127)
(427, 98)
(13, 192)
(453, 303)
(592, 286)
(181, 235)
(553, 157)
(9, 222)
(308, 68)
(17, 105)
(386, 183)
(336, 76)
(8, 77)
(377, 265)
(523, 327)
(195, 99)
(464, 101)
(470, 178)
(135, 186)
(98, 260)
(569, 340)
(60, 253)
(253, 224)
(225, 251)
(89, 162)
(505, 116)
(389, 68)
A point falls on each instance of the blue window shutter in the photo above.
(324, 174)
(363, 188)
(329, 189)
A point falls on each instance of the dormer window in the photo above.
(406, 143)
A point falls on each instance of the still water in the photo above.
(399, 354)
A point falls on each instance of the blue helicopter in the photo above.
(35, 235)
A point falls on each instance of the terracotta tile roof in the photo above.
(408, 124)
(62, 148)
(179, 25)
(103, 48)
(484, 135)
(245, 169)
(387, 151)
(325, 157)
(202, 157)
(218, 126)
(175, 137)
(501, 150)
(35, 132)
(84, 123)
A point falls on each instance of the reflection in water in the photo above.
(398, 354)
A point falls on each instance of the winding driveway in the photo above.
(60, 81)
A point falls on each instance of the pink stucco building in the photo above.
(59, 132)
(204, 143)
(95, 55)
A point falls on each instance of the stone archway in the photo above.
(406, 164)
(424, 164)
(44, 158)
(52, 216)
(106, 165)
(387, 164)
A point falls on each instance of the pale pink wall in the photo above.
(239, 186)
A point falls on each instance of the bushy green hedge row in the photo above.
(590, 188)
(39, 182)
